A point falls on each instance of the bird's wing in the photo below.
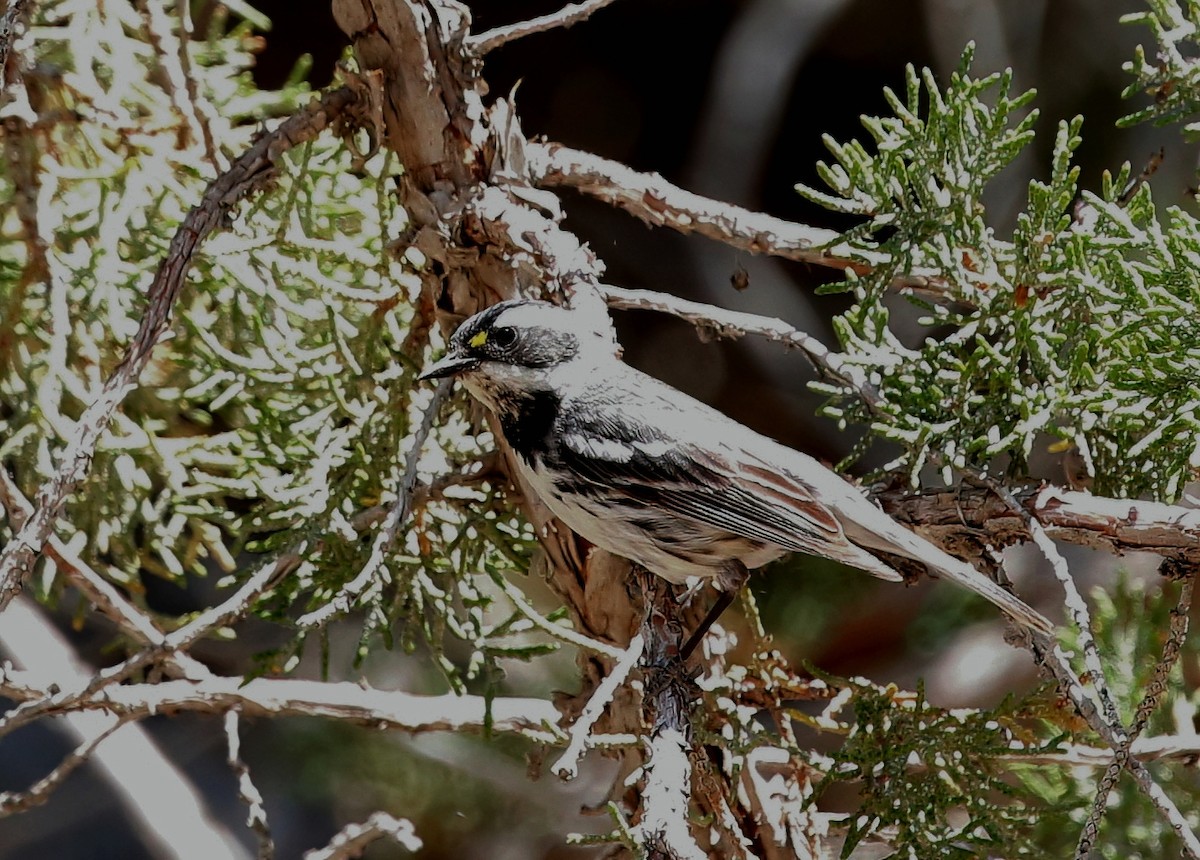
(705, 479)
(729, 477)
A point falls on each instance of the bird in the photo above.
(651, 474)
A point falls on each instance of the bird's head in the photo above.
(523, 345)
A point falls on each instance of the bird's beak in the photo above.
(451, 364)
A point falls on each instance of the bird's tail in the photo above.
(873, 529)
(968, 576)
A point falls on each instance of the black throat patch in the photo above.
(527, 420)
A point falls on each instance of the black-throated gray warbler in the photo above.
(648, 473)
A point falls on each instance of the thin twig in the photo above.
(12, 802)
(1155, 690)
(580, 732)
(397, 516)
(558, 631)
(353, 839)
(347, 702)
(249, 173)
(248, 793)
(570, 14)
(734, 324)
(1077, 608)
(198, 107)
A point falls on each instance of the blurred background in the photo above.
(730, 99)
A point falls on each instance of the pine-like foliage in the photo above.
(278, 416)
(1078, 327)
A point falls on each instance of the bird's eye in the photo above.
(503, 337)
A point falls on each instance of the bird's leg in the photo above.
(728, 582)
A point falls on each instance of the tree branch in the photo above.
(570, 14)
(1155, 690)
(580, 732)
(659, 203)
(248, 793)
(286, 697)
(672, 695)
(232, 608)
(1113, 525)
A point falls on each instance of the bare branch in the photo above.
(18, 801)
(661, 204)
(249, 173)
(248, 793)
(1112, 525)
(558, 631)
(232, 608)
(570, 14)
(735, 324)
(1076, 606)
(286, 697)
(157, 798)
(580, 732)
(353, 839)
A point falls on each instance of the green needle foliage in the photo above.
(1173, 77)
(929, 779)
(279, 414)
(1080, 327)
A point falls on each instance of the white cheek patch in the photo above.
(601, 449)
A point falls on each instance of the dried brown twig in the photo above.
(570, 14)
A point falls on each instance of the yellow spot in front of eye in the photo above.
(478, 339)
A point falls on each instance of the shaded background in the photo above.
(729, 99)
